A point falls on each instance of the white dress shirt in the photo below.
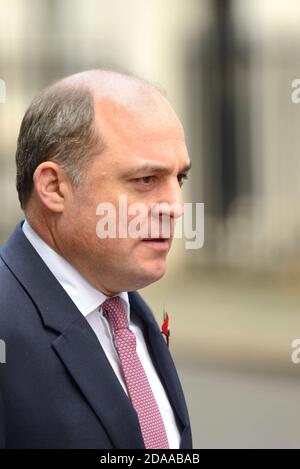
(88, 300)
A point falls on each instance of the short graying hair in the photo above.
(58, 126)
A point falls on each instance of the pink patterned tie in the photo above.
(139, 390)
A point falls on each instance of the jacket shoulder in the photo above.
(13, 298)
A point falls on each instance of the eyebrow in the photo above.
(155, 168)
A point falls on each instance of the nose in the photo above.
(171, 203)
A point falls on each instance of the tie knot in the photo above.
(114, 310)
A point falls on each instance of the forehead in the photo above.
(152, 132)
(142, 117)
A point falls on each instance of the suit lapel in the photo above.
(81, 353)
(163, 362)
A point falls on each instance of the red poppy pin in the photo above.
(165, 330)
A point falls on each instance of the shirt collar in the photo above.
(86, 297)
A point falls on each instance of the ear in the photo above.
(51, 185)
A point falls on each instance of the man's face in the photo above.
(145, 159)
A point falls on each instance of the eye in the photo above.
(181, 178)
(145, 180)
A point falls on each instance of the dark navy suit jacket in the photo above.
(57, 387)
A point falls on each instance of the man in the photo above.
(87, 365)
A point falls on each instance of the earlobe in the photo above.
(49, 185)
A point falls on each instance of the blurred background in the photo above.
(227, 67)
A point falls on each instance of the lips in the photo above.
(160, 244)
(155, 239)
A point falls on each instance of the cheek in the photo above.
(120, 249)
(84, 215)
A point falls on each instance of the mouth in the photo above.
(159, 244)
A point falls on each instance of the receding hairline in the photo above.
(107, 79)
(124, 89)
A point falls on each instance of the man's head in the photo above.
(90, 139)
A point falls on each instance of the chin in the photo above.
(147, 277)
